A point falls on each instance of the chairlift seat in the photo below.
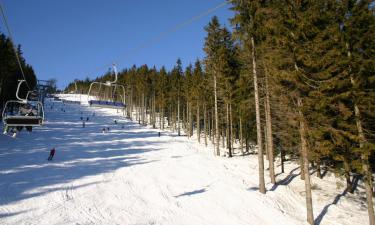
(23, 120)
(71, 102)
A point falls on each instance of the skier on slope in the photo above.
(51, 154)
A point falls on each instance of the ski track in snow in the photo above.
(131, 176)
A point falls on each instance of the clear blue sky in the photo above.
(71, 39)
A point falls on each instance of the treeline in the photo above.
(296, 78)
(10, 72)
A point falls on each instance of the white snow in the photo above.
(132, 176)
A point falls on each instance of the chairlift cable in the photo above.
(171, 30)
(14, 48)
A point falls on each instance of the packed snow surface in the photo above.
(130, 175)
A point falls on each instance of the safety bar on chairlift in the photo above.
(18, 89)
(110, 83)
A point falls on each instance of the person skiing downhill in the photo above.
(51, 154)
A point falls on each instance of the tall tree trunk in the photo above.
(216, 120)
(269, 133)
(159, 115)
(178, 115)
(174, 115)
(282, 159)
(241, 136)
(349, 183)
(139, 110)
(365, 161)
(205, 124)
(187, 119)
(265, 143)
(262, 187)
(302, 176)
(153, 112)
(162, 117)
(198, 123)
(247, 146)
(223, 140)
(210, 122)
(227, 131)
(231, 130)
(213, 139)
(131, 104)
(184, 118)
(304, 151)
(143, 108)
(191, 122)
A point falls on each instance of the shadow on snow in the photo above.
(80, 152)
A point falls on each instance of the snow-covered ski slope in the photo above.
(129, 175)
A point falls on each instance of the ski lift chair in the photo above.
(22, 113)
(116, 98)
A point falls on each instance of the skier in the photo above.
(87, 118)
(103, 130)
(115, 121)
(51, 154)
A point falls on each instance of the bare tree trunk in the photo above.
(227, 131)
(187, 119)
(178, 115)
(302, 176)
(139, 110)
(143, 109)
(304, 151)
(247, 146)
(191, 122)
(198, 124)
(210, 124)
(173, 118)
(162, 117)
(241, 136)
(153, 112)
(216, 120)
(184, 118)
(265, 143)
(262, 187)
(282, 160)
(205, 125)
(223, 140)
(231, 129)
(213, 131)
(269, 133)
(133, 102)
(349, 183)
